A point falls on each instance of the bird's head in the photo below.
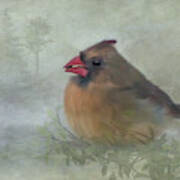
(93, 60)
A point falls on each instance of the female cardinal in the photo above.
(110, 101)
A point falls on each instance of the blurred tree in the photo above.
(36, 37)
(12, 66)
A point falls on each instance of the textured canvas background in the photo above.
(148, 34)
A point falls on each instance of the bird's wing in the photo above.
(146, 90)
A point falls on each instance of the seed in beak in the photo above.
(75, 66)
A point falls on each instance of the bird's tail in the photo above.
(176, 112)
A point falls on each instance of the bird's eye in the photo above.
(96, 62)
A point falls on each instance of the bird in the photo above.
(110, 101)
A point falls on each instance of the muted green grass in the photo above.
(156, 161)
(54, 153)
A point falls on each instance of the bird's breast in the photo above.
(94, 117)
(88, 113)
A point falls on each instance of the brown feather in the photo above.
(93, 116)
(117, 104)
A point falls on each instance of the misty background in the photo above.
(38, 37)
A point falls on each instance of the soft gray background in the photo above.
(148, 34)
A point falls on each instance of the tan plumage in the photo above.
(114, 102)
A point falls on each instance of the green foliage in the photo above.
(156, 161)
(13, 67)
(37, 31)
(37, 38)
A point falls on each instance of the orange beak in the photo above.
(76, 66)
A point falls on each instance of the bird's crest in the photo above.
(102, 44)
(112, 41)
